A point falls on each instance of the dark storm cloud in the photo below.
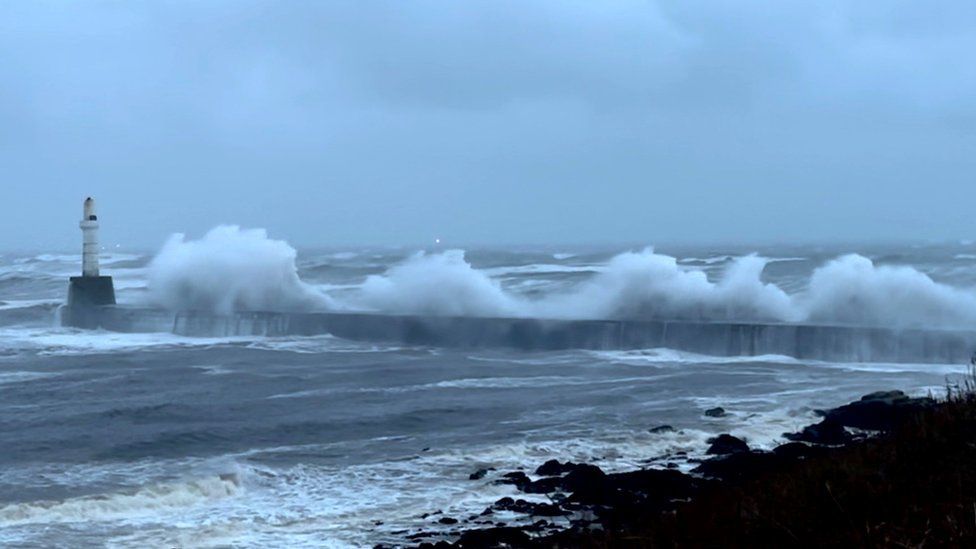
(505, 121)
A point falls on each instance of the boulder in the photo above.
(829, 432)
(726, 444)
(880, 411)
(553, 468)
(518, 478)
(479, 474)
(502, 536)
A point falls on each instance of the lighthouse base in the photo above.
(91, 291)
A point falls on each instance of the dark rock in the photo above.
(448, 520)
(661, 429)
(880, 411)
(715, 412)
(726, 444)
(578, 475)
(890, 396)
(518, 478)
(552, 468)
(796, 451)
(748, 465)
(439, 545)
(548, 510)
(740, 465)
(628, 493)
(480, 473)
(828, 432)
(503, 536)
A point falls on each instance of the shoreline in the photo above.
(870, 473)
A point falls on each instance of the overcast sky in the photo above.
(359, 122)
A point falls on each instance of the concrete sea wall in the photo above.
(830, 343)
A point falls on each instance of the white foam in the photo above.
(66, 341)
(230, 269)
(319, 344)
(20, 377)
(707, 260)
(851, 289)
(660, 356)
(541, 268)
(439, 284)
(847, 290)
(27, 303)
(646, 284)
(149, 500)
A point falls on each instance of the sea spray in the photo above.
(236, 269)
(649, 285)
(230, 269)
(853, 290)
(438, 284)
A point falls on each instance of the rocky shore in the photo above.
(885, 470)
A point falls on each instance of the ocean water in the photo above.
(136, 440)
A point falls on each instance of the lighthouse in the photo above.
(91, 288)
(89, 246)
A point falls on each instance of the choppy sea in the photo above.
(147, 440)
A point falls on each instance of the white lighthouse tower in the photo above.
(89, 247)
(91, 288)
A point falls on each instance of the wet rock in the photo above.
(827, 432)
(448, 520)
(553, 468)
(547, 510)
(480, 473)
(502, 536)
(796, 451)
(518, 478)
(748, 465)
(661, 429)
(579, 477)
(880, 411)
(439, 545)
(740, 465)
(715, 412)
(726, 444)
